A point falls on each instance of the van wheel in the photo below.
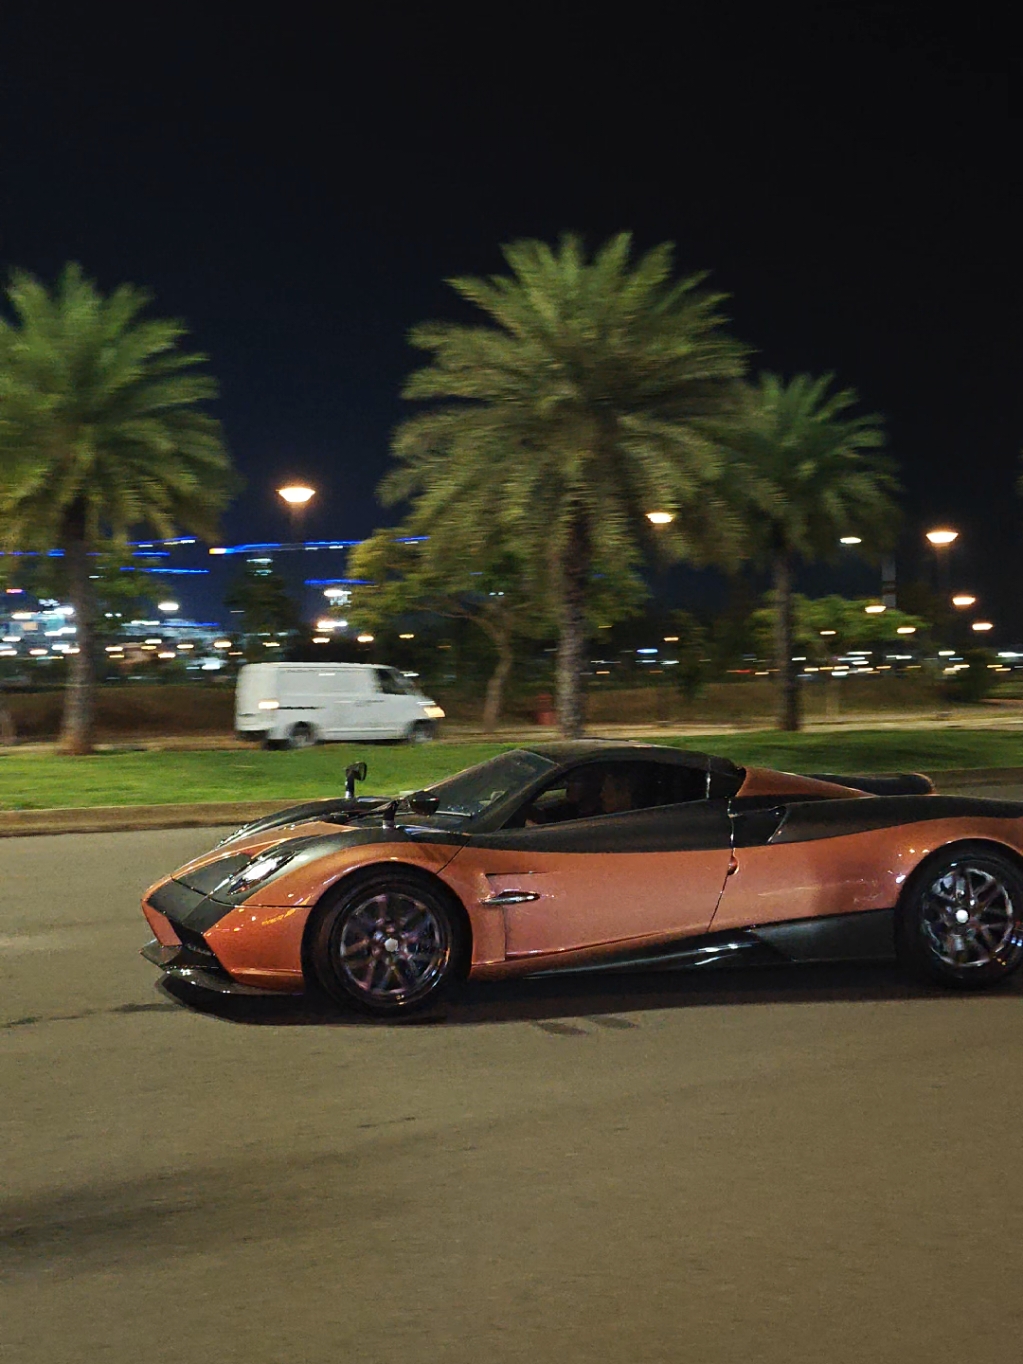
(422, 732)
(301, 736)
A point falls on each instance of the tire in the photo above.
(301, 736)
(960, 920)
(422, 732)
(389, 945)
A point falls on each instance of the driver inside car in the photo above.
(583, 799)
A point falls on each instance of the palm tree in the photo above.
(586, 399)
(102, 432)
(809, 474)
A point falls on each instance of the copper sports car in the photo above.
(596, 856)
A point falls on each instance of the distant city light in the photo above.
(660, 518)
(982, 625)
(167, 606)
(218, 549)
(166, 653)
(270, 644)
(963, 599)
(296, 494)
(906, 630)
(829, 632)
(221, 644)
(406, 636)
(850, 540)
(671, 639)
(326, 624)
(321, 639)
(875, 610)
(364, 639)
(942, 537)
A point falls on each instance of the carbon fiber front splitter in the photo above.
(183, 964)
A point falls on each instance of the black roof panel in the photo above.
(564, 751)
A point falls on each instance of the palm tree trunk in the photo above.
(575, 572)
(788, 684)
(76, 729)
(497, 680)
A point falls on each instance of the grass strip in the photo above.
(30, 781)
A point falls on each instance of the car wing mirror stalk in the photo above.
(353, 772)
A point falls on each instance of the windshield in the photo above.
(477, 788)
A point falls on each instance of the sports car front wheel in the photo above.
(961, 919)
(390, 944)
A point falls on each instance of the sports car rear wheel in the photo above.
(961, 920)
(391, 944)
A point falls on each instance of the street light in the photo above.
(296, 497)
(850, 540)
(296, 494)
(875, 610)
(660, 518)
(981, 625)
(940, 539)
(963, 599)
(169, 606)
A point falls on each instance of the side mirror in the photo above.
(422, 803)
(353, 772)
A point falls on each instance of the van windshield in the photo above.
(393, 683)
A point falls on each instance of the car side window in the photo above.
(610, 788)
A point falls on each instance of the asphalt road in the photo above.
(799, 1165)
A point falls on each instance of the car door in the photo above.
(364, 704)
(605, 880)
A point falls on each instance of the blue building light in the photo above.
(339, 582)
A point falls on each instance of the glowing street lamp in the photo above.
(660, 518)
(981, 626)
(963, 599)
(296, 496)
(875, 610)
(168, 606)
(940, 538)
(850, 540)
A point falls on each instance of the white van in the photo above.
(293, 705)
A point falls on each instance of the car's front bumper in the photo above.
(191, 967)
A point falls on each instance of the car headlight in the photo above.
(261, 868)
(434, 712)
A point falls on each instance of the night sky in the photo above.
(297, 190)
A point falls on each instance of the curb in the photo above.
(123, 818)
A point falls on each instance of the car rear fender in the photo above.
(989, 845)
